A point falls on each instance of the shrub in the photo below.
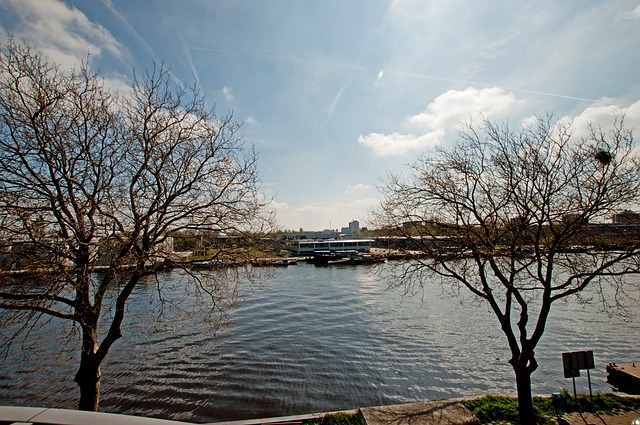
(339, 419)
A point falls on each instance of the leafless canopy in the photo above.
(93, 183)
(511, 216)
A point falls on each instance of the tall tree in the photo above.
(93, 184)
(501, 214)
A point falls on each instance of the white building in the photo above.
(309, 247)
(354, 227)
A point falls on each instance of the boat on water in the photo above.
(323, 257)
(357, 260)
(284, 262)
(270, 262)
(211, 264)
(343, 258)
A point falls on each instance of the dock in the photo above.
(625, 377)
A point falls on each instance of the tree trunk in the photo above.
(88, 374)
(525, 402)
(88, 379)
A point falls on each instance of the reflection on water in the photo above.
(310, 339)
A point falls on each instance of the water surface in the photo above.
(310, 339)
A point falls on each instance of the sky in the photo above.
(337, 94)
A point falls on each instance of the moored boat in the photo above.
(345, 258)
(273, 262)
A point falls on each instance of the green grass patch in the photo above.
(492, 408)
(501, 409)
(505, 409)
(339, 419)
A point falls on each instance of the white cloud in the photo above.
(632, 15)
(118, 84)
(227, 92)
(63, 33)
(604, 116)
(353, 189)
(279, 205)
(441, 116)
(422, 11)
(454, 106)
(397, 144)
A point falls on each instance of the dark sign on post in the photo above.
(575, 361)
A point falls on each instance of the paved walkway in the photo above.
(594, 419)
(441, 412)
(452, 412)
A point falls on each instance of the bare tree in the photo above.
(92, 186)
(503, 213)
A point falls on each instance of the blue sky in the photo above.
(336, 93)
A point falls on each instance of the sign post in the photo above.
(573, 362)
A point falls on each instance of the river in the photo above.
(309, 339)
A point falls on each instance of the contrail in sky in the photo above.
(515, 89)
(145, 45)
(357, 67)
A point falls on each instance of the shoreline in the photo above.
(429, 412)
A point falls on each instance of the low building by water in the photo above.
(309, 247)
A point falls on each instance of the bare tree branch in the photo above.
(92, 186)
(513, 215)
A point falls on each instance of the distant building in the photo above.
(354, 227)
(310, 235)
(574, 219)
(308, 247)
(626, 217)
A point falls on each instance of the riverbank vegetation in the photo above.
(492, 408)
(339, 419)
(503, 409)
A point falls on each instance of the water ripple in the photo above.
(309, 339)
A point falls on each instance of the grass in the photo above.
(339, 419)
(501, 409)
(505, 409)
